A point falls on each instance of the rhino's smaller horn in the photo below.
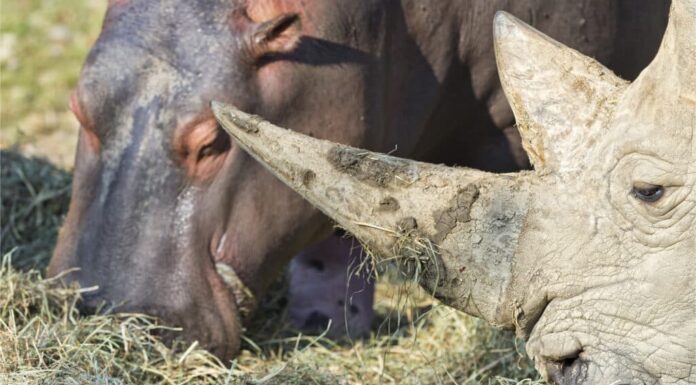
(559, 96)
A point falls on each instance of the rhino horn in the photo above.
(454, 229)
(560, 97)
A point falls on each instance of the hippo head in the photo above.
(166, 210)
(591, 257)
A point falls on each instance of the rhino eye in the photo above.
(647, 192)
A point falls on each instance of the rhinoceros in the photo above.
(166, 211)
(591, 257)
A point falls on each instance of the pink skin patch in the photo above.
(324, 286)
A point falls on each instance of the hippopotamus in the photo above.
(170, 217)
(591, 256)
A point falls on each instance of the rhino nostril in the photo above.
(569, 370)
(568, 363)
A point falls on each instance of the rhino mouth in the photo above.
(568, 370)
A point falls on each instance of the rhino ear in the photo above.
(557, 94)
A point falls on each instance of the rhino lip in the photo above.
(569, 370)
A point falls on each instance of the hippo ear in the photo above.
(278, 35)
(559, 96)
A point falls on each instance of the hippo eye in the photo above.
(647, 192)
(203, 147)
(219, 144)
(207, 150)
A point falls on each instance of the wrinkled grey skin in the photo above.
(161, 195)
(591, 257)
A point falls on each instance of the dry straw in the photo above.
(44, 339)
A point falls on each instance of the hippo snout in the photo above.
(214, 323)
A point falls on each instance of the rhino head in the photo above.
(591, 257)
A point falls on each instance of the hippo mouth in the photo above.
(244, 297)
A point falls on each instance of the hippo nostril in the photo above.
(316, 321)
(85, 309)
(316, 264)
(90, 304)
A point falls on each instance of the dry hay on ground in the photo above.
(44, 340)
(35, 195)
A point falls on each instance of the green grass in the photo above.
(42, 47)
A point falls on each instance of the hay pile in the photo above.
(43, 339)
(35, 196)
